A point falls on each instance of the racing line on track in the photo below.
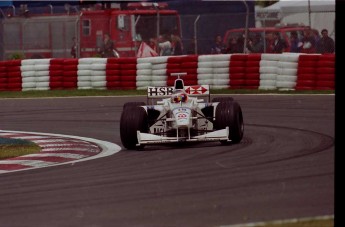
(56, 150)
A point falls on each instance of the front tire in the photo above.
(132, 119)
(230, 114)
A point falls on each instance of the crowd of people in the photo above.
(168, 45)
(309, 42)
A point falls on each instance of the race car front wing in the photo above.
(147, 138)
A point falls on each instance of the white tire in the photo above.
(144, 66)
(144, 72)
(98, 73)
(41, 67)
(219, 86)
(42, 79)
(28, 74)
(143, 83)
(85, 84)
(84, 78)
(159, 83)
(221, 64)
(268, 63)
(289, 57)
(268, 83)
(205, 81)
(268, 76)
(221, 57)
(205, 76)
(98, 78)
(289, 65)
(42, 84)
(286, 71)
(286, 78)
(285, 84)
(159, 66)
(84, 72)
(205, 70)
(42, 73)
(268, 70)
(98, 84)
(159, 72)
(144, 78)
(28, 79)
(270, 57)
(205, 58)
(97, 66)
(25, 68)
(221, 76)
(207, 64)
(84, 67)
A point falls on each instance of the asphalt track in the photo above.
(283, 168)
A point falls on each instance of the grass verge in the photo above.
(10, 148)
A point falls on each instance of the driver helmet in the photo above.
(179, 96)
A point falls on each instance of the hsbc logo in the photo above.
(159, 91)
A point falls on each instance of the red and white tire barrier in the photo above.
(287, 71)
(55, 150)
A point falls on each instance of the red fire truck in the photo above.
(50, 35)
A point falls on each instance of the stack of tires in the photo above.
(70, 74)
(35, 74)
(84, 73)
(98, 73)
(237, 70)
(159, 71)
(205, 69)
(326, 72)
(14, 81)
(173, 66)
(184, 64)
(56, 74)
(144, 73)
(268, 71)
(113, 74)
(252, 73)
(306, 71)
(3, 76)
(28, 75)
(287, 71)
(221, 70)
(128, 71)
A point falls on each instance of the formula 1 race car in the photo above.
(180, 117)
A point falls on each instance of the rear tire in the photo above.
(133, 118)
(230, 114)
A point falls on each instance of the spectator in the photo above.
(295, 44)
(74, 48)
(107, 48)
(278, 44)
(153, 44)
(176, 45)
(164, 45)
(325, 44)
(256, 44)
(232, 44)
(218, 47)
(308, 42)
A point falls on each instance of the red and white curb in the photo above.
(56, 150)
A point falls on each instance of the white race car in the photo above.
(180, 116)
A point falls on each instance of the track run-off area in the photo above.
(282, 169)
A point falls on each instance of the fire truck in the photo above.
(50, 35)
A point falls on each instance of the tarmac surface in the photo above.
(282, 169)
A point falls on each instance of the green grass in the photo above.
(10, 148)
(94, 92)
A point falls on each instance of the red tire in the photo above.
(112, 66)
(238, 57)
